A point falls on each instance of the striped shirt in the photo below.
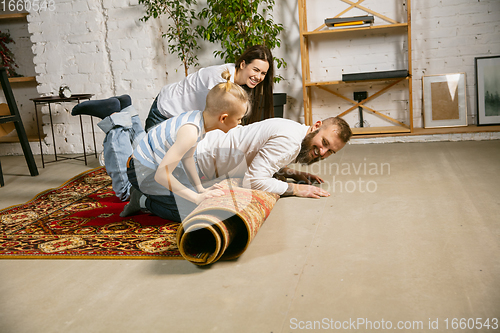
(152, 148)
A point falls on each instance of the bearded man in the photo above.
(261, 150)
(259, 153)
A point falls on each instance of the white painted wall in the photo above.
(101, 47)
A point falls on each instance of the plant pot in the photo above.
(279, 99)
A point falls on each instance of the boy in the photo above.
(164, 157)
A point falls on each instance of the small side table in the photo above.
(56, 99)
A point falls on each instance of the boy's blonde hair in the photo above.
(222, 97)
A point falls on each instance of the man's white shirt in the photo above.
(253, 152)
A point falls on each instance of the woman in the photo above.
(254, 71)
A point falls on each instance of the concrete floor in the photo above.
(409, 238)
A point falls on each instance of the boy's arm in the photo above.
(191, 172)
(186, 139)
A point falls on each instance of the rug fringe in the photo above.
(59, 257)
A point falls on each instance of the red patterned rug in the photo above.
(80, 220)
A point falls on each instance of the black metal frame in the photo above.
(18, 123)
(56, 99)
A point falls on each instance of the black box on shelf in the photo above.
(346, 21)
(375, 75)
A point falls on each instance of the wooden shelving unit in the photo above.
(307, 84)
(15, 139)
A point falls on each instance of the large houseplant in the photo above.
(235, 25)
(180, 34)
(239, 24)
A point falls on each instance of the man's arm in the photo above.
(186, 139)
(306, 191)
(299, 176)
(272, 157)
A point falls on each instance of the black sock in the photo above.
(99, 108)
(133, 207)
(125, 101)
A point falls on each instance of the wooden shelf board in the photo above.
(331, 83)
(14, 139)
(13, 16)
(432, 131)
(22, 79)
(359, 131)
(373, 27)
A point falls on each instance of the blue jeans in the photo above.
(154, 116)
(162, 203)
(122, 130)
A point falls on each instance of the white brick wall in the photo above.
(96, 47)
(447, 36)
(101, 47)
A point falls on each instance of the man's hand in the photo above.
(309, 191)
(300, 177)
(306, 178)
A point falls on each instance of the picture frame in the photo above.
(487, 71)
(444, 100)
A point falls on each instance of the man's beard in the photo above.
(306, 148)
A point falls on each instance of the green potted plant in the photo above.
(180, 34)
(238, 24)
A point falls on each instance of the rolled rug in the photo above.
(221, 228)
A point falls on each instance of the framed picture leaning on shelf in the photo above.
(444, 100)
(488, 90)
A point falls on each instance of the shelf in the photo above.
(434, 131)
(331, 83)
(362, 131)
(339, 30)
(22, 79)
(13, 16)
(14, 139)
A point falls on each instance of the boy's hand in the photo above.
(217, 186)
(209, 194)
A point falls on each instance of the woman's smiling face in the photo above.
(253, 73)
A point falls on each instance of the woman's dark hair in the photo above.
(261, 96)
